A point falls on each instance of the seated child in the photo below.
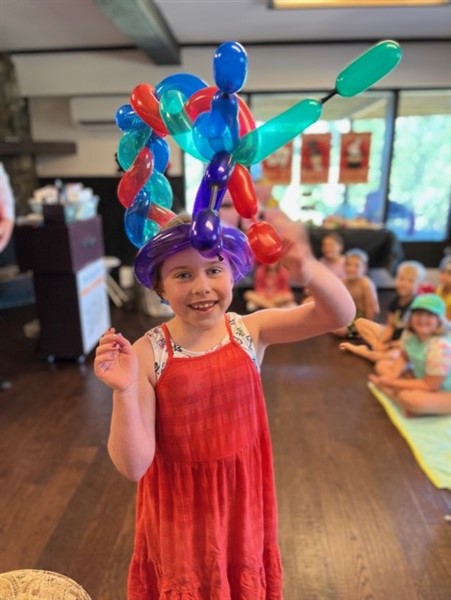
(444, 287)
(272, 288)
(383, 340)
(426, 355)
(361, 288)
(332, 245)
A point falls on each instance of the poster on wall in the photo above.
(354, 157)
(277, 166)
(315, 158)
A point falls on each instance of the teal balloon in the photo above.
(130, 145)
(178, 122)
(367, 69)
(159, 190)
(259, 143)
(186, 83)
(138, 227)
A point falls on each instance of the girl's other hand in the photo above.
(116, 363)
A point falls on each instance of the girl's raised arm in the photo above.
(332, 305)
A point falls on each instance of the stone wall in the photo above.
(14, 127)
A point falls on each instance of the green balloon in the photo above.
(130, 145)
(259, 143)
(159, 190)
(178, 122)
(368, 68)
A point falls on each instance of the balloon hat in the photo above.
(214, 125)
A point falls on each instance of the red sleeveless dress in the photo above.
(206, 522)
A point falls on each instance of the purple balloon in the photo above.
(219, 170)
(206, 232)
(206, 196)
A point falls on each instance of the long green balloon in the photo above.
(178, 122)
(368, 68)
(275, 133)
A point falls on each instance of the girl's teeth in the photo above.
(203, 306)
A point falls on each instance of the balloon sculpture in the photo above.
(215, 125)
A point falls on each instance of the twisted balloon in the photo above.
(215, 125)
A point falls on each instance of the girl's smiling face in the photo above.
(198, 289)
(424, 323)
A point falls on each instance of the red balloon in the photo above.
(200, 102)
(265, 242)
(135, 177)
(160, 215)
(243, 193)
(147, 106)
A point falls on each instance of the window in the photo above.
(420, 174)
(420, 178)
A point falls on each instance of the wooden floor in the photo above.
(358, 518)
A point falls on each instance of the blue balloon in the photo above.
(139, 229)
(230, 67)
(127, 119)
(202, 136)
(160, 151)
(224, 113)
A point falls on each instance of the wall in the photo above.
(57, 83)
(64, 89)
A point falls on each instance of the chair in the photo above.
(31, 584)
(115, 292)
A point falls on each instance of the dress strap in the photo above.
(229, 328)
(167, 339)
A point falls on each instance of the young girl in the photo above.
(361, 288)
(332, 245)
(426, 349)
(383, 340)
(189, 420)
(272, 288)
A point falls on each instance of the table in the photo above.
(69, 282)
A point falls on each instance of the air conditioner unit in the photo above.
(96, 112)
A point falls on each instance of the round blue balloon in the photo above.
(230, 67)
(127, 119)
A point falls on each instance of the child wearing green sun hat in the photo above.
(420, 379)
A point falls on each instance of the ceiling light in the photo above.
(298, 4)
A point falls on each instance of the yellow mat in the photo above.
(429, 438)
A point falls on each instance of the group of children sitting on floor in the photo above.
(411, 351)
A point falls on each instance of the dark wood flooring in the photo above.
(358, 518)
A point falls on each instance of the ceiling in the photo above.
(161, 27)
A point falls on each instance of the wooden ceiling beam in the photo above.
(142, 22)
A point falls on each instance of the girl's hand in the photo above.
(116, 363)
(298, 257)
(382, 380)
